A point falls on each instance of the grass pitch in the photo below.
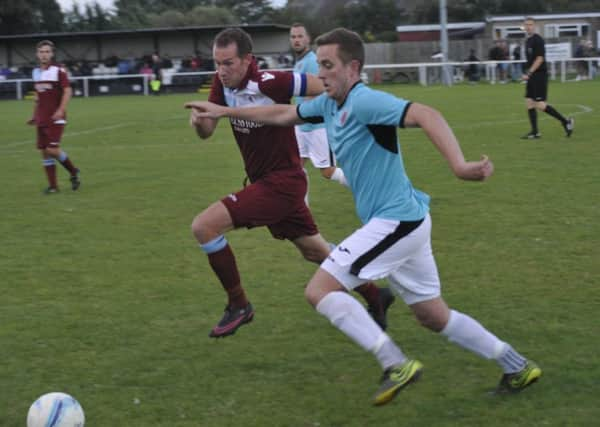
(104, 294)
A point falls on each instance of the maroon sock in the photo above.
(370, 292)
(68, 165)
(224, 265)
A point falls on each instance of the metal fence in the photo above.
(112, 84)
(423, 73)
(429, 73)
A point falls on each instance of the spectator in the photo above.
(584, 50)
(472, 70)
(196, 63)
(146, 69)
(4, 72)
(124, 66)
(499, 53)
(590, 52)
(186, 64)
(283, 60)
(84, 68)
(156, 82)
(517, 67)
(111, 61)
(262, 63)
(166, 62)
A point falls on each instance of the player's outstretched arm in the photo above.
(314, 86)
(274, 115)
(440, 134)
(204, 127)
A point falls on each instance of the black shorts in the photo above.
(537, 87)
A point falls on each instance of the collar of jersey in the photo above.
(340, 106)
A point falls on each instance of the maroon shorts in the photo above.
(49, 136)
(277, 201)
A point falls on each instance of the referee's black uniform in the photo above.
(537, 87)
(537, 84)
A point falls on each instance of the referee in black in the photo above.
(536, 76)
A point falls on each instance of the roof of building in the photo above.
(540, 17)
(210, 28)
(437, 27)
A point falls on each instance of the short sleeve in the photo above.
(376, 107)
(313, 111)
(282, 85)
(63, 78)
(539, 48)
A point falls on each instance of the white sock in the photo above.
(511, 361)
(306, 195)
(470, 334)
(350, 317)
(338, 175)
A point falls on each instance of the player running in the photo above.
(275, 194)
(395, 239)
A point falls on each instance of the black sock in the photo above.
(550, 110)
(533, 119)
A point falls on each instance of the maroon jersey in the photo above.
(49, 84)
(264, 148)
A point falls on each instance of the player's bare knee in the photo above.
(432, 319)
(313, 293)
(51, 152)
(199, 228)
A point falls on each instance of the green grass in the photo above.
(104, 294)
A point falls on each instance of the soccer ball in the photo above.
(56, 410)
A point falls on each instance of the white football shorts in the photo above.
(388, 249)
(313, 145)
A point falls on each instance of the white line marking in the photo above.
(584, 110)
(67, 135)
(89, 131)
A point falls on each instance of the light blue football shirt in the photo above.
(362, 133)
(307, 65)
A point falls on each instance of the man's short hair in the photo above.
(529, 18)
(350, 45)
(45, 43)
(242, 40)
(301, 25)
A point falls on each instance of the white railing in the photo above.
(139, 83)
(424, 73)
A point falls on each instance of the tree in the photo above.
(203, 15)
(133, 13)
(375, 20)
(169, 18)
(252, 11)
(93, 18)
(74, 20)
(30, 16)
